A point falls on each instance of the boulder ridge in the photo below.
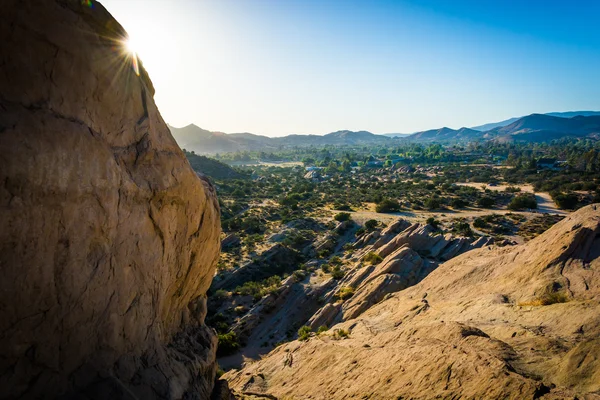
(109, 240)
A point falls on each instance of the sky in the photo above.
(278, 67)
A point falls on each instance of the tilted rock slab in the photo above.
(519, 322)
(108, 239)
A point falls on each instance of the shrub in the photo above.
(566, 201)
(343, 216)
(458, 203)
(433, 222)
(479, 223)
(345, 293)
(337, 273)
(371, 224)
(486, 202)
(325, 268)
(523, 201)
(372, 258)
(387, 205)
(304, 333)
(322, 328)
(299, 275)
(432, 203)
(335, 260)
(228, 343)
(340, 334)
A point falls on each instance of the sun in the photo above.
(131, 49)
(131, 46)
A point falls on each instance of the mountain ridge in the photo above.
(533, 127)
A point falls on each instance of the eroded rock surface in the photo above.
(108, 239)
(519, 322)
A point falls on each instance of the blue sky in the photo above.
(281, 67)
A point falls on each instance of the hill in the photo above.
(201, 141)
(194, 138)
(540, 127)
(497, 322)
(445, 134)
(568, 114)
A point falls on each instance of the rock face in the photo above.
(517, 322)
(109, 239)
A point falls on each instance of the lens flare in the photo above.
(131, 51)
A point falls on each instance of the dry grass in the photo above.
(547, 299)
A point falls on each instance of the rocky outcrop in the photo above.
(277, 260)
(109, 240)
(513, 322)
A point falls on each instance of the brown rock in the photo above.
(109, 240)
(516, 322)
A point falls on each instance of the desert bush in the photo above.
(433, 222)
(522, 202)
(432, 203)
(387, 205)
(304, 333)
(371, 224)
(372, 258)
(566, 201)
(345, 293)
(486, 202)
(341, 334)
(228, 343)
(341, 217)
(337, 273)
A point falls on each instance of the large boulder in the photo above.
(109, 240)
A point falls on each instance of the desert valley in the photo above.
(141, 260)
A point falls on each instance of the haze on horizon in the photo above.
(281, 67)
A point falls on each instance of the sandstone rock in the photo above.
(514, 322)
(109, 240)
(390, 231)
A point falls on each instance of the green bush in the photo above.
(341, 217)
(371, 224)
(304, 333)
(566, 201)
(433, 222)
(387, 206)
(522, 202)
(372, 258)
(337, 273)
(345, 293)
(432, 203)
(486, 202)
(228, 344)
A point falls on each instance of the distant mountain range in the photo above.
(568, 114)
(201, 141)
(531, 128)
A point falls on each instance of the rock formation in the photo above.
(109, 240)
(518, 322)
